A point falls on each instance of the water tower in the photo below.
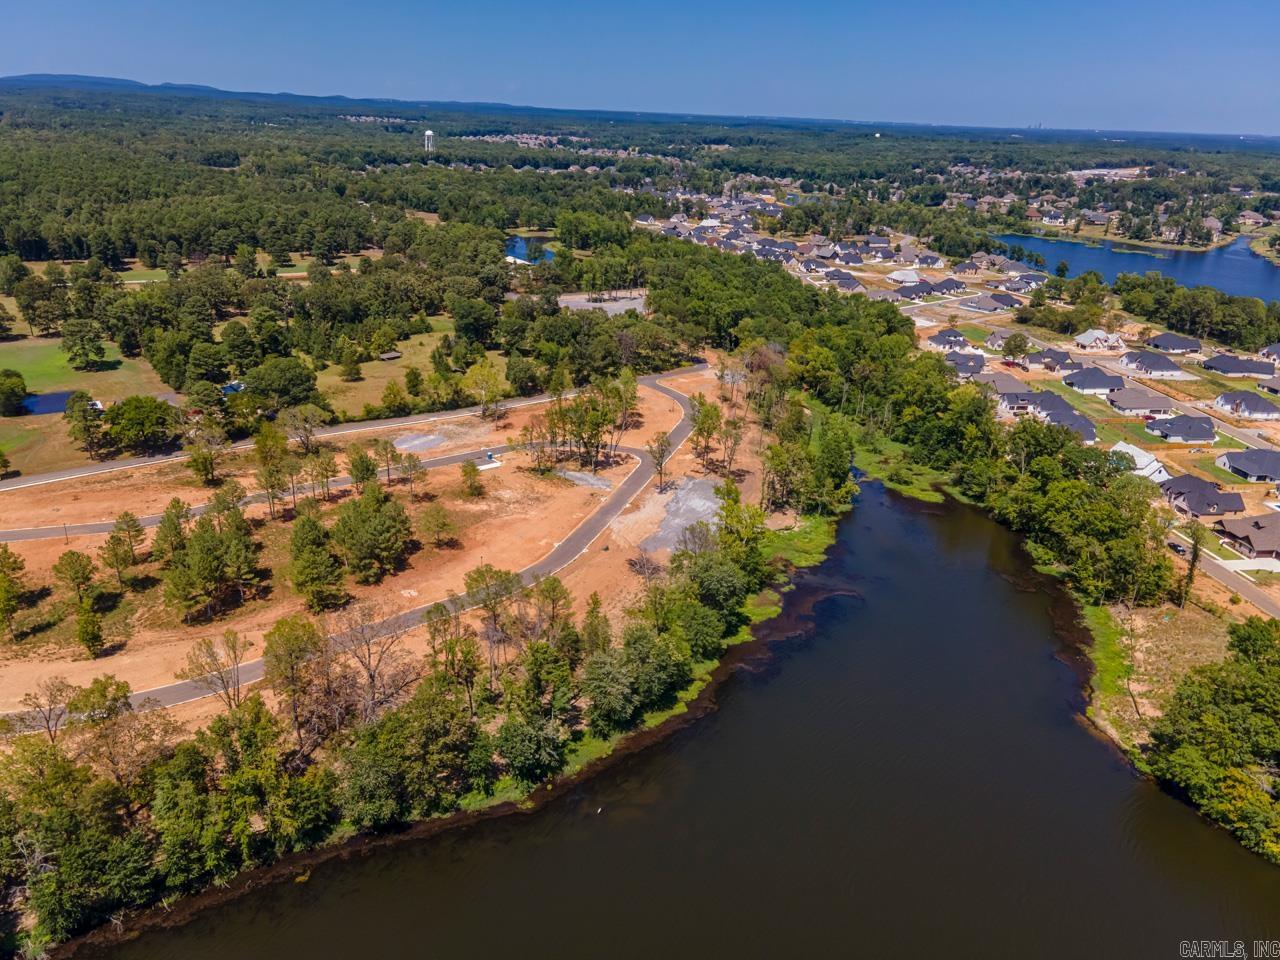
(429, 142)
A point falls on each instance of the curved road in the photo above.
(564, 552)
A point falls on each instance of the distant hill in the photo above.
(108, 85)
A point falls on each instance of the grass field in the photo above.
(1095, 408)
(1211, 470)
(37, 444)
(1130, 431)
(350, 398)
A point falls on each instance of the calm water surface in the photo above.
(519, 247)
(905, 774)
(1233, 269)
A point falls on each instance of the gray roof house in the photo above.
(949, 340)
(1174, 343)
(1135, 402)
(1229, 365)
(966, 365)
(1254, 465)
(1184, 429)
(1253, 536)
(1200, 498)
(1247, 405)
(1093, 380)
(1152, 365)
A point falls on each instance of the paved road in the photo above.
(564, 552)
(337, 430)
(1233, 580)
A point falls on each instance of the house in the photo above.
(1154, 366)
(889, 296)
(1050, 360)
(904, 276)
(1055, 410)
(1271, 351)
(1050, 408)
(1270, 386)
(966, 365)
(1145, 463)
(930, 260)
(1136, 402)
(999, 381)
(1093, 381)
(645, 219)
(948, 285)
(1247, 406)
(1174, 343)
(1250, 219)
(1016, 403)
(1257, 466)
(849, 285)
(1099, 340)
(949, 340)
(995, 340)
(1005, 300)
(915, 291)
(1229, 365)
(1184, 429)
(1257, 537)
(1053, 218)
(1214, 226)
(966, 268)
(1198, 497)
(981, 304)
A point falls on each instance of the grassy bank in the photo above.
(889, 462)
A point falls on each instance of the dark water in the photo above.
(519, 247)
(55, 402)
(905, 775)
(1233, 269)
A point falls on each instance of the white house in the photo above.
(1145, 463)
(1099, 341)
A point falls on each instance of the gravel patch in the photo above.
(692, 500)
(417, 442)
(586, 479)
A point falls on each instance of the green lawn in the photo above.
(1224, 442)
(42, 363)
(350, 397)
(37, 444)
(975, 335)
(1211, 470)
(1092, 407)
(1130, 431)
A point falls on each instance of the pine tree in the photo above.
(171, 534)
(317, 574)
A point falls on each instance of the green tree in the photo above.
(317, 574)
(141, 424)
(84, 422)
(362, 466)
(372, 533)
(13, 393)
(436, 524)
(472, 485)
(82, 343)
(76, 571)
(89, 630)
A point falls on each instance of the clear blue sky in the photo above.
(1120, 64)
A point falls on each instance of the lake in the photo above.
(903, 772)
(527, 249)
(1233, 269)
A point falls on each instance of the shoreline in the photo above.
(694, 702)
(1090, 240)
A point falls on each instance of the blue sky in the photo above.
(1119, 64)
